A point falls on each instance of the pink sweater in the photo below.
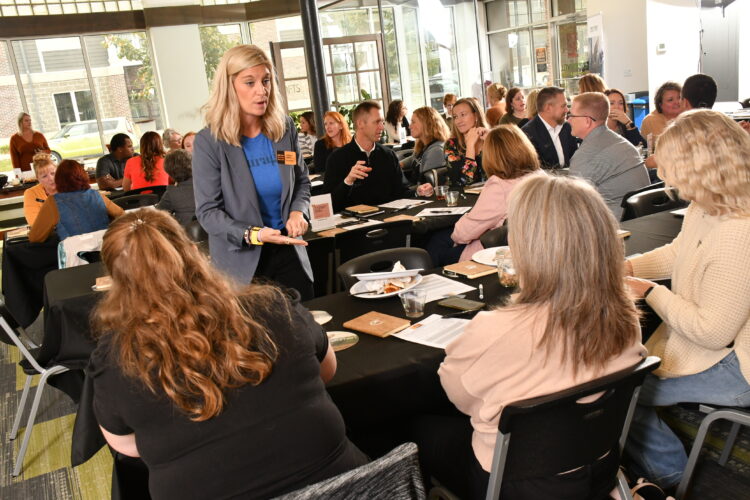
(496, 361)
(489, 212)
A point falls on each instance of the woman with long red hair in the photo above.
(75, 208)
(337, 134)
(148, 168)
(222, 392)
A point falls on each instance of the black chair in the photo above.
(136, 201)
(497, 237)
(11, 334)
(555, 433)
(351, 244)
(157, 190)
(649, 201)
(627, 212)
(197, 234)
(436, 176)
(738, 417)
(383, 260)
(394, 475)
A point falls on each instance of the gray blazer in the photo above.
(226, 202)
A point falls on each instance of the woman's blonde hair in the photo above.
(207, 340)
(591, 83)
(346, 134)
(222, 111)
(19, 120)
(508, 153)
(570, 263)
(40, 161)
(433, 128)
(704, 154)
(473, 104)
(496, 92)
(531, 110)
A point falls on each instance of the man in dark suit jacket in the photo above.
(549, 132)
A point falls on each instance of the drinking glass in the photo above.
(413, 302)
(505, 270)
(451, 199)
(441, 192)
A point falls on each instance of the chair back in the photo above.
(497, 237)
(436, 176)
(72, 251)
(649, 201)
(136, 201)
(157, 190)
(364, 240)
(555, 433)
(11, 333)
(395, 475)
(383, 260)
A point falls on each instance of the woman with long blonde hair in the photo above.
(431, 132)
(572, 321)
(337, 134)
(252, 189)
(463, 150)
(191, 373)
(704, 340)
(148, 168)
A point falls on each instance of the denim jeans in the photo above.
(655, 451)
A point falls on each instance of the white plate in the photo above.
(384, 276)
(359, 287)
(321, 317)
(342, 340)
(487, 256)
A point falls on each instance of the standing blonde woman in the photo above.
(464, 148)
(704, 340)
(252, 190)
(26, 143)
(572, 321)
(431, 132)
(34, 198)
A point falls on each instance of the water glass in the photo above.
(451, 199)
(413, 302)
(441, 192)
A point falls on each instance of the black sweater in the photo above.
(385, 182)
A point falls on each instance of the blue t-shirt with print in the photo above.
(261, 157)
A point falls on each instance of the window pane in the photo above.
(370, 82)
(346, 88)
(366, 55)
(294, 63)
(510, 58)
(215, 40)
(10, 109)
(573, 54)
(538, 10)
(297, 94)
(563, 7)
(503, 14)
(542, 70)
(343, 58)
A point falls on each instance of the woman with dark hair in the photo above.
(148, 168)
(222, 393)
(75, 208)
(337, 134)
(515, 103)
(619, 121)
(307, 134)
(179, 199)
(572, 321)
(667, 104)
(396, 122)
(463, 150)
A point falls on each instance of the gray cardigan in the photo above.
(226, 202)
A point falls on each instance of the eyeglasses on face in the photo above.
(571, 115)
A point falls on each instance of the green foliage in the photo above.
(295, 116)
(143, 87)
(4, 149)
(214, 44)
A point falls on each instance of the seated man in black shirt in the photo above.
(110, 167)
(363, 171)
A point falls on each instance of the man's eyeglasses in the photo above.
(571, 115)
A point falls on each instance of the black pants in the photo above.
(280, 264)
(441, 248)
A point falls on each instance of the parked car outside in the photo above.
(81, 139)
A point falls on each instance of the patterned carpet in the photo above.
(47, 474)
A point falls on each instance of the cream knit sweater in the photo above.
(708, 307)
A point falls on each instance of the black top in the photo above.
(385, 182)
(179, 200)
(108, 164)
(273, 438)
(539, 136)
(320, 156)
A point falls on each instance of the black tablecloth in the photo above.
(651, 231)
(24, 268)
